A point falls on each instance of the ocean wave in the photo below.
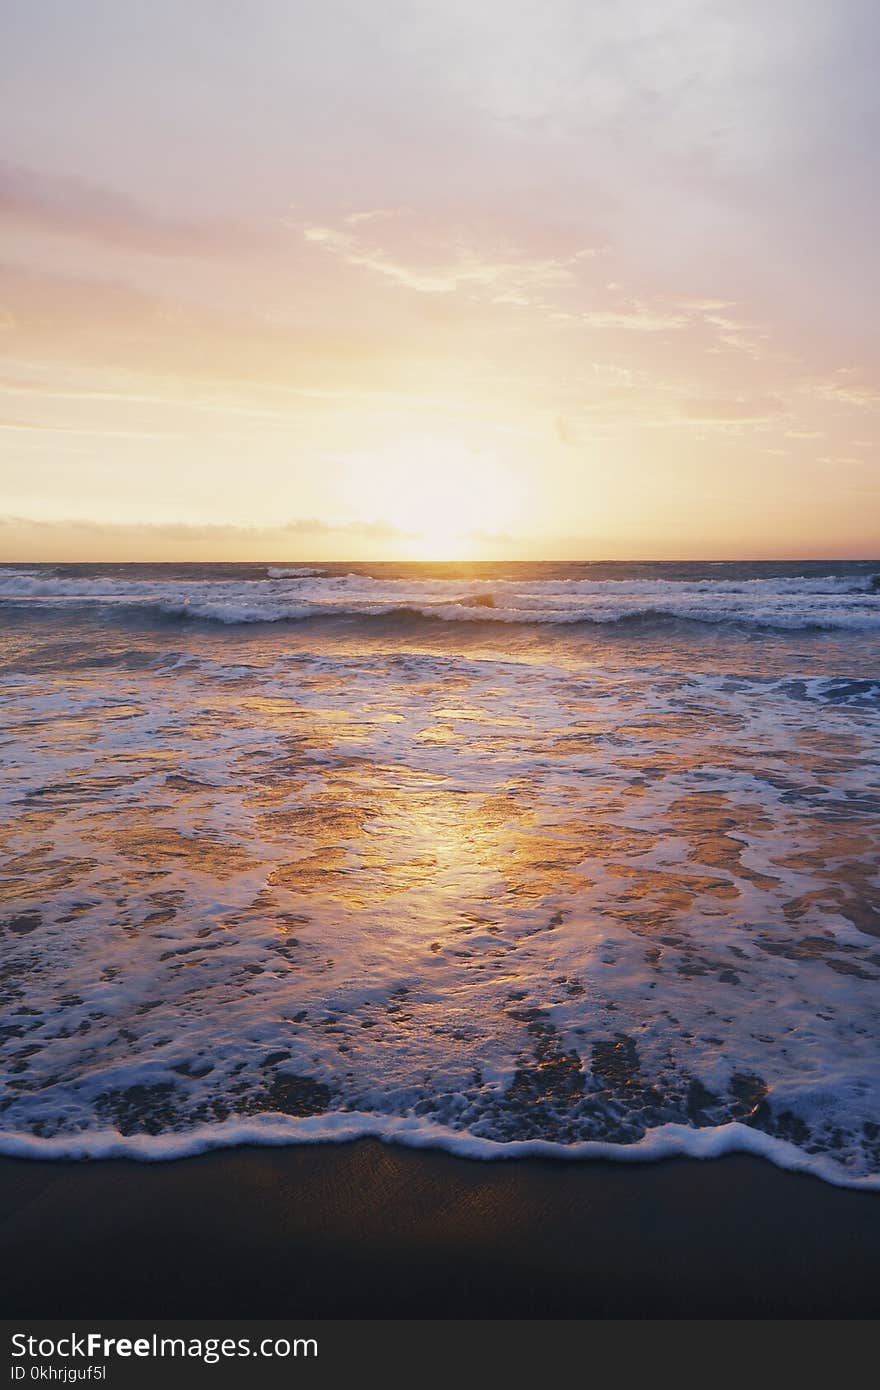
(765, 618)
(504, 901)
(790, 604)
(278, 1130)
(299, 572)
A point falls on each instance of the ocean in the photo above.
(572, 859)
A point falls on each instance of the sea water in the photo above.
(559, 858)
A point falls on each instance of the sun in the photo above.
(447, 501)
(441, 543)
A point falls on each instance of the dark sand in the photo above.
(368, 1230)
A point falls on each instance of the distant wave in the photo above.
(300, 572)
(303, 594)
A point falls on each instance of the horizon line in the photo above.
(506, 560)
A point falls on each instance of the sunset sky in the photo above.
(468, 278)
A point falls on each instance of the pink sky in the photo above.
(408, 279)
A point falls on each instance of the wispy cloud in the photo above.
(733, 408)
(751, 339)
(99, 432)
(393, 244)
(634, 318)
(846, 387)
(432, 264)
(378, 529)
(57, 204)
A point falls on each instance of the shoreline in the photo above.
(668, 1141)
(376, 1230)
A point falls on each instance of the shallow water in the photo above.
(293, 854)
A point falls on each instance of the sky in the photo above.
(488, 279)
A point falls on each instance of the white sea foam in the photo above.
(502, 903)
(275, 1131)
(299, 572)
(299, 594)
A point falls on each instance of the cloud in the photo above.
(504, 274)
(210, 531)
(845, 388)
(28, 539)
(429, 264)
(55, 203)
(92, 323)
(748, 338)
(373, 215)
(17, 426)
(373, 530)
(734, 409)
(638, 318)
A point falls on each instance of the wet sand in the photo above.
(370, 1230)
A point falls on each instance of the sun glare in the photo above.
(448, 502)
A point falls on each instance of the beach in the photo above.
(361, 926)
(548, 857)
(368, 1230)
(439, 669)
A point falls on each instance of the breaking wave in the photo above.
(302, 594)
